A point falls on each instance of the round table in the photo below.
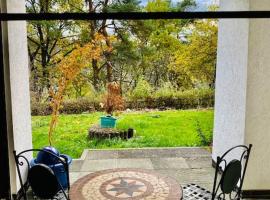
(125, 184)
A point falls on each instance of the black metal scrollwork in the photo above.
(21, 160)
(234, 192)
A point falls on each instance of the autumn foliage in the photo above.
(68, 68)
(196, 60)
(113, 100)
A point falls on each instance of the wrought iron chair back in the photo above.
(43, 181)
(232, 174)
(21, 160)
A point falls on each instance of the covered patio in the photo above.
(187, 165)
(241, 109)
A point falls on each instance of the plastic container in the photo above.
(48, 159)
(107, 122)
(54, 164)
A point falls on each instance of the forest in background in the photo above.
(161, 63)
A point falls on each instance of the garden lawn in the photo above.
(173, 128)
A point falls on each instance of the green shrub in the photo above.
(167, 90)
(88, 92)
(142, 91)
(78, 106)
(40, 108)
(74, 106)
(190, 99)
(96, 96)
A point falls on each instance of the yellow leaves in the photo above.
(157, 6)
(69, 67)
(197, 58)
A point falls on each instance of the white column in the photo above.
(242, 107)
(17, 85)
(230, 94)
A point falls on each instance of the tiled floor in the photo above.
(126, 183)
(186, 165)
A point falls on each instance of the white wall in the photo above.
(17, 84)
(258, 100)
(242, 114)
(230, 93)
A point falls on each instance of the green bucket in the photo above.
(107, 122)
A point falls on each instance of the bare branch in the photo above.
(32, 40)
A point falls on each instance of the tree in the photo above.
(68, 69)
(102, 27)
(197, 58)
(164, 39)
(145, 47)
(46, 39)
(178, 51)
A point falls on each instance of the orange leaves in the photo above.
(113, 99)
(69, 67)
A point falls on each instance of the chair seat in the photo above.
(193, 192)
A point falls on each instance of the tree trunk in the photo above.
(109, 72)
(108, 54)
(95, 75)
(93, 29)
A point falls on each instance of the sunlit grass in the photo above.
(172, 128)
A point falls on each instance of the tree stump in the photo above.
(96, 131)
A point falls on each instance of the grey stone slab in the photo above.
(74, 176)
(96, 165)
(84, 154)
(76, 165)
(169, 163)
(82, 174)
(185, 176)
(162, 153)
(187, 152)
(142, 163)
(101, 154)
(149, 153)
(199, 162)
(133, 153)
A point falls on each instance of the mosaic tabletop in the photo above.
(120, 184)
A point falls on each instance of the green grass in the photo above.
(173, 128)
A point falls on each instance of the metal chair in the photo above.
(40, 177)
(229, 184)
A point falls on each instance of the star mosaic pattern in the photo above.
(125, 184)
(125, 187)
